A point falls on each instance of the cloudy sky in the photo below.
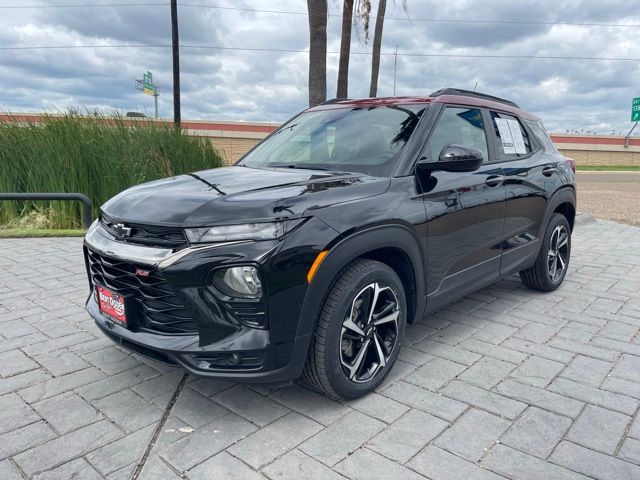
(485, 43)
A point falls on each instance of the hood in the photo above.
(234, 194)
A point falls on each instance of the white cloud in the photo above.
(554, 88)
(271, 86)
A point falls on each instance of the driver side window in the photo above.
(459, 126)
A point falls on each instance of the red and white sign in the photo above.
(111, 304)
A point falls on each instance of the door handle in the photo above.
(494, 180)
(548, 170)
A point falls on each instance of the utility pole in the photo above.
(175, 45)
(155, 100)
(626, 138)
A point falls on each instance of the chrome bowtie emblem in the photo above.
(121, 230)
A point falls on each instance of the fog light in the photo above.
(241, 281)
(235, 359)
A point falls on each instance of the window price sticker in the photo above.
(511, 136)
(505, 135)
(516, 134)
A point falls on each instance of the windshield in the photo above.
(360, 139)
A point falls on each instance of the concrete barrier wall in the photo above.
(597, 157)
(599, 149)
(233, 148)
(234, 139)
(584, 149)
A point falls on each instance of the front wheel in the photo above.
(553, 260)
(358, 334)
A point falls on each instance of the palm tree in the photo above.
(377, 44)
(345, 49)
(317, 51)
(362, 8)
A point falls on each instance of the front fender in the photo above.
(352, 247)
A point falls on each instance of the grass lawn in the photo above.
(38, 232)
(609, 168)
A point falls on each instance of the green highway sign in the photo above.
(147, 87)
(147, 84)
(635, 110)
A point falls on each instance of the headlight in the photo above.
(248, 231)
(242, 281)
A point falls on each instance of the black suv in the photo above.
(310, 254)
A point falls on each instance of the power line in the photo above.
(287, 50)
(63, 47)
(287, 12)
(81, 5)
(418, 19)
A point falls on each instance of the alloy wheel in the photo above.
(557, 257)
(369, 333)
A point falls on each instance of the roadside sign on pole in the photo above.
(147, 84)
(147, 87)
(635, 110)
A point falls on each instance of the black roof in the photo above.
(469, 93)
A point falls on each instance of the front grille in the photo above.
(149, 299)
(149, 235)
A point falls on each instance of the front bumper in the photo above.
(183, 351)
(222, 347)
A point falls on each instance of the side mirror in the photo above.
(454, 158)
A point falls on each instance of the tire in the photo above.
(332, 364)
(542, 276)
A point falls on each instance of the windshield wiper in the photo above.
(282, 129)
(211, 185)
(299, 165)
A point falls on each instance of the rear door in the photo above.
(465, 210)
(531, 174)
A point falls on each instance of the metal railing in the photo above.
(87, 214)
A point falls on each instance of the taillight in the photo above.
(572, 163)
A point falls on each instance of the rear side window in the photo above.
(512, 140)
(458, 126)
(541, 136)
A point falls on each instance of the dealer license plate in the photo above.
(111, 304)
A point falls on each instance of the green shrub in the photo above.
(95, 155)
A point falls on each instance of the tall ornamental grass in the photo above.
(96, 155)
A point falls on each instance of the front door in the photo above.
(465, 211)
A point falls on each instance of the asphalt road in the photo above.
(610, 195)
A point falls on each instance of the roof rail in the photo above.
(469, 93)
(335, 100)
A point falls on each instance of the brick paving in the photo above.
(506, 383)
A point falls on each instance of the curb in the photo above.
(584, 218)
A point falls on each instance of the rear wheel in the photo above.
(553, 260)
(359, 330)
